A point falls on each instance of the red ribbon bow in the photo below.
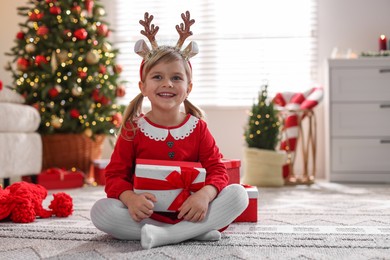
(175, 180)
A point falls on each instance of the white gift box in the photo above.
(171, 182)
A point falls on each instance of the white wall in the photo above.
(354, 24)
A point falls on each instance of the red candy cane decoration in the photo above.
(292, 103)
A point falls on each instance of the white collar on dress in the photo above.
(160, 133)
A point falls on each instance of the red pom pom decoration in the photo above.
(22, 203)
(62, 205)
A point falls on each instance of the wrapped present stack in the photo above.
(172, 182)
(177, 180)
(99, 167)
(173, 177)
(233, 170)
(56, 178)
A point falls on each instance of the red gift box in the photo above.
(250, 213)
(172, 182)
(99, 172)
(233, 170)
(56, 178)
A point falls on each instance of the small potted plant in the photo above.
(262, 163)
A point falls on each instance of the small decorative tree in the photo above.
(263, 126)
(263, 165)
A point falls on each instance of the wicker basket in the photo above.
(71, 150)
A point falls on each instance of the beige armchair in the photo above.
(20, 144)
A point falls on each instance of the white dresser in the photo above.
(358, 120)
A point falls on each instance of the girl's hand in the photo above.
(140, 206)
(195, 208)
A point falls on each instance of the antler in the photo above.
(150, 30)
(184, 29)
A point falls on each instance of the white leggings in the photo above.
(112, 217)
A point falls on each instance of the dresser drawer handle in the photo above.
(384, 105)
(387, 141)
(384, 71)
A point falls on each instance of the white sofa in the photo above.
(20, 144)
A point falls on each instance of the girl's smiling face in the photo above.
(166, 85)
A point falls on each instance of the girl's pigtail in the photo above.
(193, 110)
(133, 111)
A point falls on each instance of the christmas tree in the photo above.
(263, 123)
(65, 67)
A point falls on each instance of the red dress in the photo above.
(190, 141)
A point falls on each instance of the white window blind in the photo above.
(242, 44)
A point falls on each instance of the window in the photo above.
(242, 45)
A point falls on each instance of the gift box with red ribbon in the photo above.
(250, 213)
(99, 172)
(233, 170)
(56, 178)
(172, 182)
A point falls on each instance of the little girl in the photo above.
(166, 133)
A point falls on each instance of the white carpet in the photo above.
(324, 221)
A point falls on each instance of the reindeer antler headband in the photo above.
(150, 31)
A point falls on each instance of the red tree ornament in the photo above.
(118, 69)
(100, 98)
(102, 29)
(104, 100)
(89, 6)
(82, 74)
(40, 59)
(96, 95)
(55, 10)
(22, 64)
(42, 30)
(76, 9)
(74, 113)
(120, 91)
(117, 119)
(81, 34)
(20, 35)
(102, 69)
(53, 92)
(36, 106)
(35, 16)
